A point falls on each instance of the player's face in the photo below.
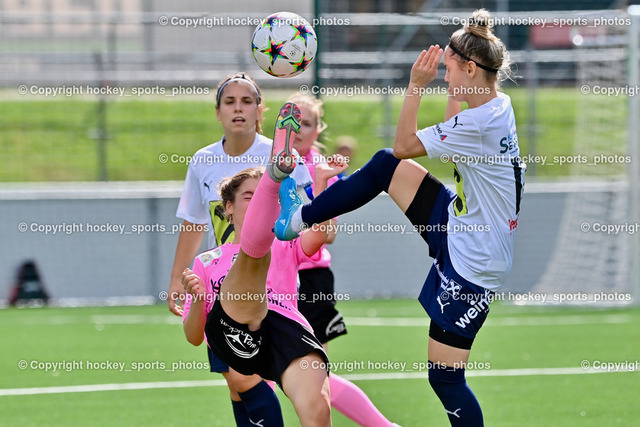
(238, 208)
(308, 130)
(238, 111)
(456, 76)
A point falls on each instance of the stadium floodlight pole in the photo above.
(634, 149)
(317, 28)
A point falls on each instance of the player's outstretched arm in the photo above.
(406, 144)
(196, 318)
(189, 241)
(313, 238)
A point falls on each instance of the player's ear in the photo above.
(260, 112)
(228, 210)
(471, 69)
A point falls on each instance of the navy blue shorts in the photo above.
(215, 363)
(457, 307)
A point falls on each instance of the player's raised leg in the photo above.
(383, 172)
(243, 291)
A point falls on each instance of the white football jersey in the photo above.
(483, 145)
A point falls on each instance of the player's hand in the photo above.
(425, 69)
(192, 283)
(173, 295)
(336, 164)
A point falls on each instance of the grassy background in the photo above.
(54, 139)
(150, 334)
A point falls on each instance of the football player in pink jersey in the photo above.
(239, 109)
(244, 293)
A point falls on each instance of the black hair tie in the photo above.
(466, 58)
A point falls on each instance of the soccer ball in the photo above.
(284, 44)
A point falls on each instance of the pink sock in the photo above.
(257, 235)
(349, 400)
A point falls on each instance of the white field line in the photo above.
(498, 321)
(351, 377)
(141, 319)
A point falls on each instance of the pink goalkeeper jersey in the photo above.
(282, 287)
(311, 159)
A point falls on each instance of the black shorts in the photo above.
(317, 302)
(267, 351)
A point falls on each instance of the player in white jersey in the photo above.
(470, 233)
(239, 109)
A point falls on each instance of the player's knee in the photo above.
(239, 383)
(319, 410)
(383, 156)
(444, 379)
(314, 407)
(383, 165)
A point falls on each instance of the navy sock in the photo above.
(240, 414)
(262, 403)
(359, 188)
(456, 396)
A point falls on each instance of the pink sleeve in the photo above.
(301, 257)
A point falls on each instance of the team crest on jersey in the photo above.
(207, 257)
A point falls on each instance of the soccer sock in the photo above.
(240, 414)
(453, 391)
(353, 403)
(348, 194)
(262, 406)
(257, 235)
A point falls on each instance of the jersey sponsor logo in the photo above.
(513, 224)
(437, 130)
(509, 142)
(240, 342)
(479, 306)
(456, 123)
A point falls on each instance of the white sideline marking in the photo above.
(142, 319)
(110, 387)
(351, 377)
(498, 321)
